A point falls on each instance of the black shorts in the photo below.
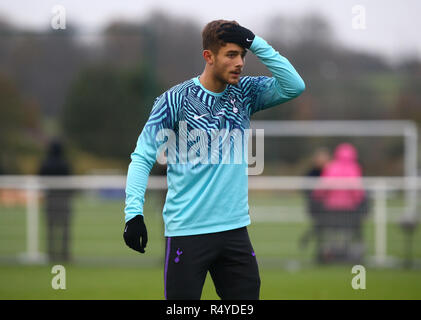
(228, 256)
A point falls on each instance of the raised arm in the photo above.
(285, 84)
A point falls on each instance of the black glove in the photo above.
(134, 230)
(229, 32)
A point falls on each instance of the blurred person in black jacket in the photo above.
(57, 204)
(320, 158)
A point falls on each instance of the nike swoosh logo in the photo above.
(201, 116)
(248, 40)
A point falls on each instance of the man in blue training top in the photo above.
(206, 209)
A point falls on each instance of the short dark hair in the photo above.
(210, 35)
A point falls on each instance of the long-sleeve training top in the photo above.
(207, 186)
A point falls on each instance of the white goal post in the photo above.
(357, 128)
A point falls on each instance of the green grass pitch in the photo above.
(84, 282)
(104, 268)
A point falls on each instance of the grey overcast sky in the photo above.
(392, 26)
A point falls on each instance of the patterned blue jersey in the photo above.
(207, 183)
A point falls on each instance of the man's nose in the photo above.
(239, 62)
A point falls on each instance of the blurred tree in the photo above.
(107, 108)
(339, 82)
(311, 30)
(172, 47)
(112, 97)
(123, 44)
(18, 120)
(408, 104)
(42, 64)
(175, 46)
(410, 65)
(7, 42)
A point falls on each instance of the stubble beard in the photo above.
(225, 78)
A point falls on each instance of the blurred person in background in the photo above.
(341, 209)
(206, 211)
(57, 204)
(319, 160)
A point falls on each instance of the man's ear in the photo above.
(209, 56)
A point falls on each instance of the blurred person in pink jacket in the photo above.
(344, 165)
(338, 225)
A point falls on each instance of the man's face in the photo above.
(229, 63)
